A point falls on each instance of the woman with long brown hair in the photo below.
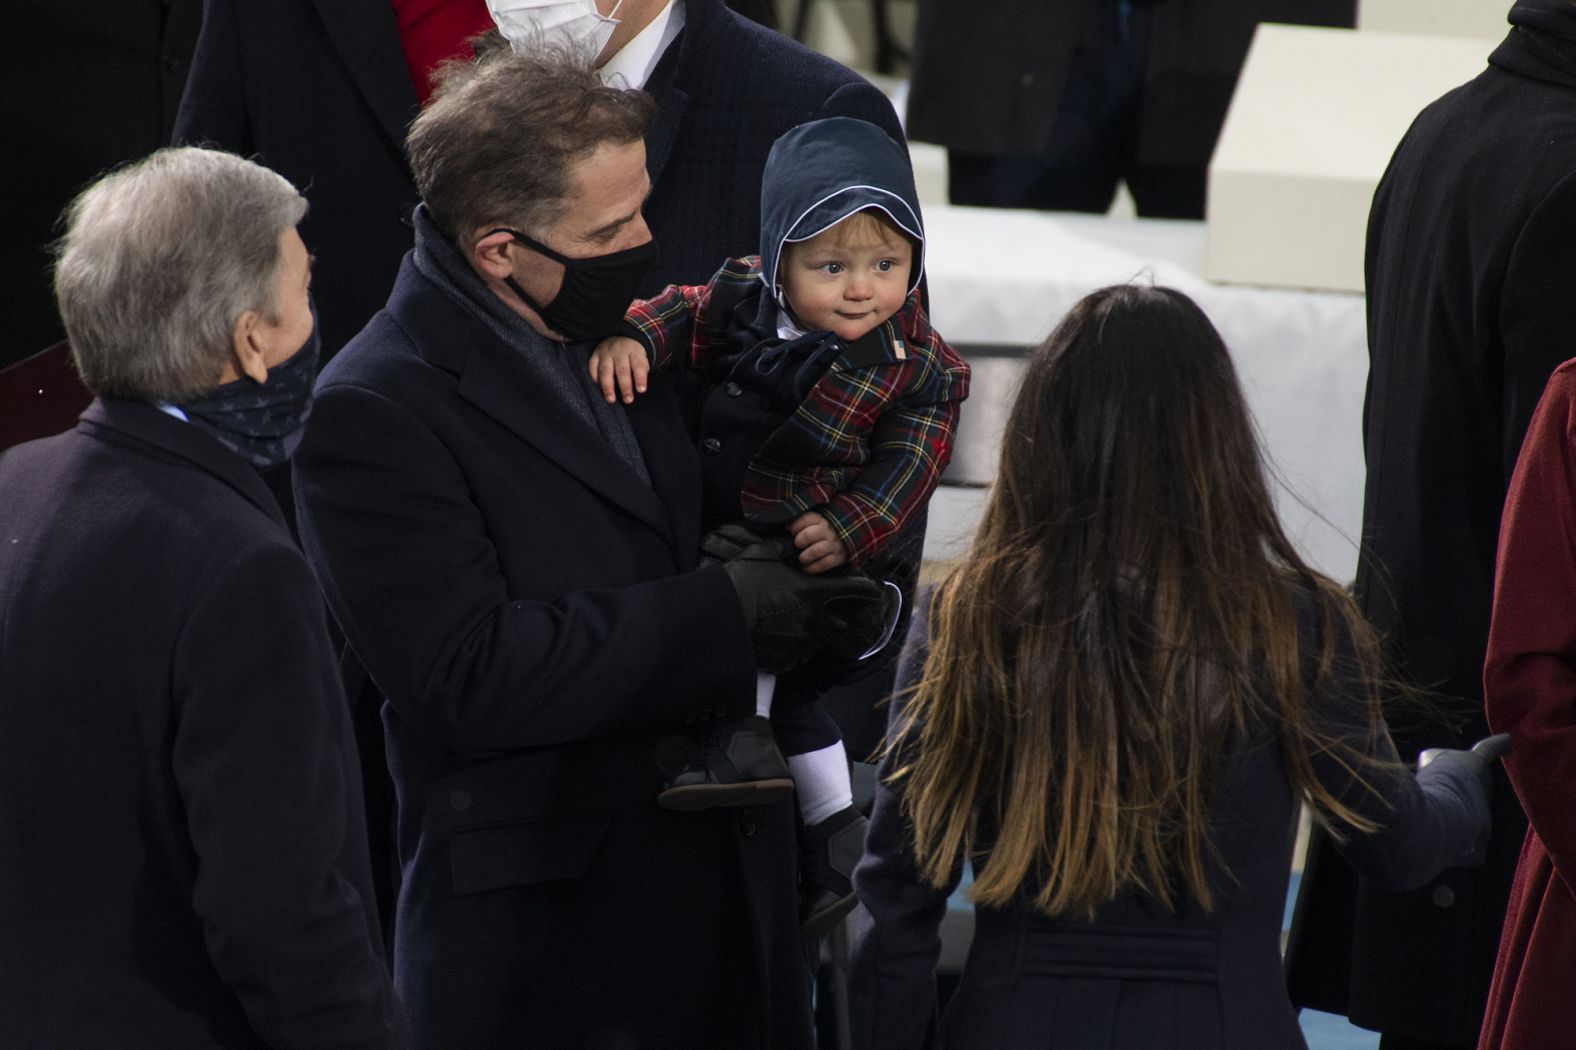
(1128, 687)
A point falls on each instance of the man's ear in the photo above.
(490, 253)
(247, 348)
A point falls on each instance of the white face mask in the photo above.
(528, 24)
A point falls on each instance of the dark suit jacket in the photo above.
(988, 76)
(182, 860)
(1470, 265)
(525, 602)
(319, 91)
(726, 90)
(83, 87)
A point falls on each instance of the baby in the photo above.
(830, 414)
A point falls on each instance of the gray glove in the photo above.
(1480, 759)
(791, 614)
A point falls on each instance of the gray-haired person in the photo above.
(182, 851)
(515, 562)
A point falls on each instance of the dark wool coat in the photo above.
(988, 75)
(319, 91)
(526, 604)
(1140, 974)
(182, 856)
(1528, 683)
(83, 87)
(1470, 265)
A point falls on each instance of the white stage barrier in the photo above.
(1006, 277)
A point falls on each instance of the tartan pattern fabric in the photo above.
(866, 447)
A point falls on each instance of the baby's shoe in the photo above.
(738, 765)
(828, 852)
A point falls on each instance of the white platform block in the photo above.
(1471, 18)
(930, 173)
(1316, 115)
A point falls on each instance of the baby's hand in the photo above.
(819, 547)
(619, 361)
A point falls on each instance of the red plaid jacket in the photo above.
(868, 444)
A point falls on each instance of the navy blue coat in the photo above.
(319, 91)
(525, 603)
(1140, 974)
(182, 855)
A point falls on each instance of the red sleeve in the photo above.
(1529, 677)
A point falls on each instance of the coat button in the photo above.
(711, 445)
(1444, 896)
(460, 800)
(732, 389)
(747, 825)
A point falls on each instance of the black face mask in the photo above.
(262, 422)
(596, 291)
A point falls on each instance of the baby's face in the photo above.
(846, 284)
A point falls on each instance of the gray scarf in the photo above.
(558, 367)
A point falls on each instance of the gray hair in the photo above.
(496, 143)
(158, 261)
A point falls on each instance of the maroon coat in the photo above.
(1529, 683)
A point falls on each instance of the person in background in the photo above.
(183, 861)
(323, 93)
(1527, 685)
(1051, 105)
(1115, 708)
(83, 87)
(513, 561)
(1469, 265)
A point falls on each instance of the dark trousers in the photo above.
(1092, 145)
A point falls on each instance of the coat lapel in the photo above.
(490, 379)
(364, 34)
(507, 395)
(671, 106)
(702, 18)
(151, 426)
(670, 460)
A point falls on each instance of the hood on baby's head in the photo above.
(820, 173)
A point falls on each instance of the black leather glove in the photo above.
(727, 543)
(791, 614)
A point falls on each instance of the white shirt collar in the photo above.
(786, 328)
(634, 62)
(172, 410)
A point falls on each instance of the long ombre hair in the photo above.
(1125, 612)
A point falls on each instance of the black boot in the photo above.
(828, 852)
(738, 765)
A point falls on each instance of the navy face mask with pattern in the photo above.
(262, 422)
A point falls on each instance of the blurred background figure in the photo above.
(1470, 262)
(83, 87)
(183, 861)
(1052, 105)
(1527, 680)
(1130, 685)
(322, 92)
